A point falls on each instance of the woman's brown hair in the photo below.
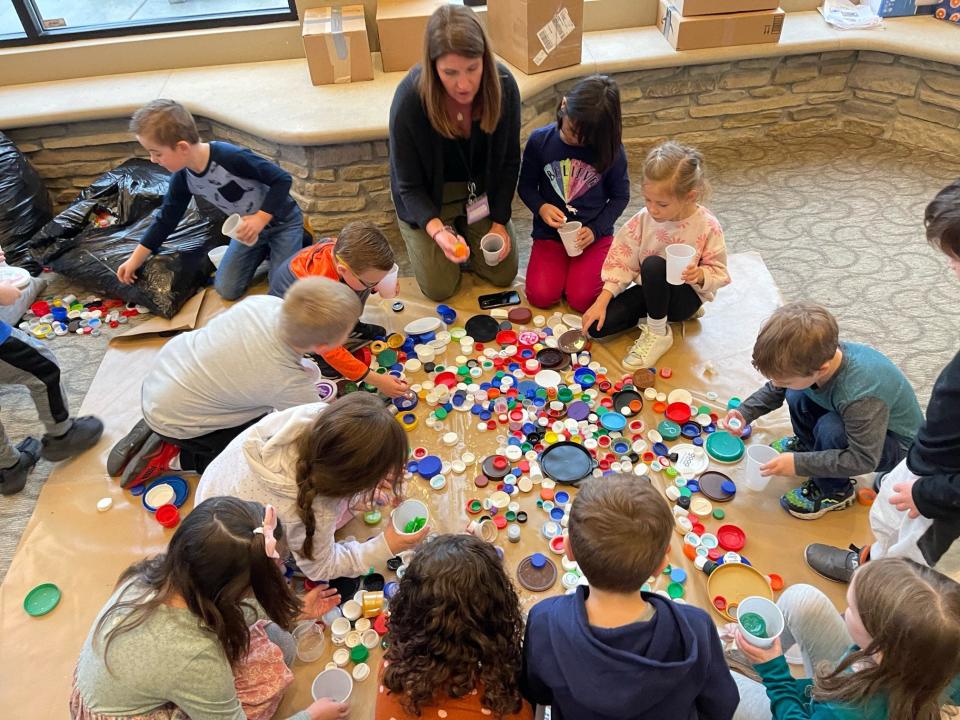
(213, 562)
(455, 626)
(912, 614)
(455, 29)
(349, 450)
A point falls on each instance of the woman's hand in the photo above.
(757, 655)
(693, 274)
(319, 601)
(552, 215)
(502, 232)
(454, 247)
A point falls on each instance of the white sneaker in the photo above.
(648, 348)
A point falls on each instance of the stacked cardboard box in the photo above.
(536, 35)
(401, 25)
(336, 45)
(696, 24)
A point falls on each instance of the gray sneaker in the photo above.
(831, 562)
(127, 447)
(82, 435)
(13, 479)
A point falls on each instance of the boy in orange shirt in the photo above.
(361, 258)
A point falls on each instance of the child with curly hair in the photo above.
(453, 650)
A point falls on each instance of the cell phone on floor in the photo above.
(502, 299)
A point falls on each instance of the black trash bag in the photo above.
(89, 240)
(24, 205)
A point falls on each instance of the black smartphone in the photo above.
(502, 299)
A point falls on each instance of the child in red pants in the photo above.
(575, 170)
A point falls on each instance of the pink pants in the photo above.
(553, 274)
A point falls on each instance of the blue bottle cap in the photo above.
(660, 450)
(728, 486)
(413, 466)
(561, 497)
(678, 575)
(556, 514)
(429, 466)
(538, 560)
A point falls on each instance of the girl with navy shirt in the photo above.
(575, 170)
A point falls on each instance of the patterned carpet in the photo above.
(837, 219)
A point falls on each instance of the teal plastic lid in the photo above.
(42, 599)
(724, 447)
(668, 429)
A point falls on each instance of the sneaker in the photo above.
(82, 435)
(739, 663)
(808, 503)
(154, 464)
(831, 562)
(13, 479)
(790, 443)
(648, 348)
(367, 331)
(127, 447)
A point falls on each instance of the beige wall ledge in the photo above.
(275, 100)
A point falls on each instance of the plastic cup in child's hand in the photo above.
(410, 517)
(760, 621)
(757, 457)
(679, 257)
(568, 234)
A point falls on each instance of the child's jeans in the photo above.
(27, 361)
(281, 279)
(810, 620)
(653, 297)
(820, 429)
(552, 273)
(278, 241)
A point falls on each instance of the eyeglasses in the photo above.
(366, 285)
(385, 286)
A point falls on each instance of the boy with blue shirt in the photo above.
(853, 411)
(609, 650)
(234, 179)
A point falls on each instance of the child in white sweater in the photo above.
(673, 185)
(315, 463)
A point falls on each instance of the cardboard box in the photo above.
(893, 8)
(708, 31)
(401, 25)
(336, 45)
(690, 8)
(948, 10)
(536, 35)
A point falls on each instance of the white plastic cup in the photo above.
(492, 245)
(771, 615)
(679, 257)
(339, 629)
(407, 511)
(335, 684)
(389, 287)
(310, 641)
(758, 455)
(568, 234)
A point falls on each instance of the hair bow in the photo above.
(268, 530)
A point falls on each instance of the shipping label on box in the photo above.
(894, 8)
(720, 7)
(709, 31)
(948, 10)
(536, 35)
(336, 45)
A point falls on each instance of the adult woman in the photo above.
(455, 155)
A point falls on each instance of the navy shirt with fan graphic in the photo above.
(236, 180)
(564, 176)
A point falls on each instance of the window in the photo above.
(36, 21)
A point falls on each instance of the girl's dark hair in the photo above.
(349, 450)
(213, 561)
(455, 626)
(593, 108)
(942, 220)
(912, 613)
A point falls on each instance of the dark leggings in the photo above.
(196, 453)
(653, 297)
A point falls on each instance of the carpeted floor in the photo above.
(837, 219)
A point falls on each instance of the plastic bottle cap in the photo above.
(104, 504)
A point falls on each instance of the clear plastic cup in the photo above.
(310, 641)
(334, 683)
(757, 456)
(568, 234)
(679, 256)
(492, 245)
(407, 511)
(389, 287)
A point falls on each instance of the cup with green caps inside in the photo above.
(410, 517)
(760, 621)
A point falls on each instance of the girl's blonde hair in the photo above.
(681, 166)
(912, 613)
(455, 29)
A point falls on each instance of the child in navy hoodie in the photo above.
(609, 650)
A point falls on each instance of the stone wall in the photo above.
(915, 102)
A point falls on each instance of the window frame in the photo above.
(35, 34)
